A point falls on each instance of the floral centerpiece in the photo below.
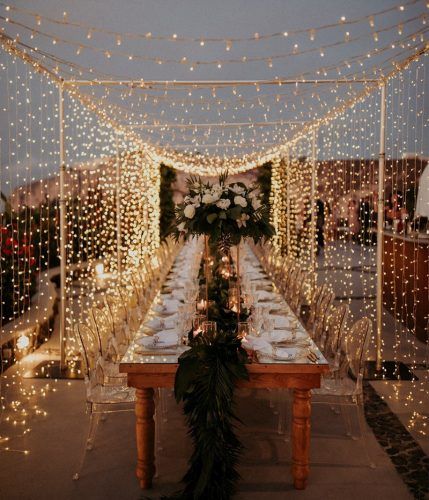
(226, 213)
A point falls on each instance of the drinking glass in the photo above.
(209, 329)
(243, 329)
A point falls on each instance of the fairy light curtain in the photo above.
(290, 199)
(140, 207)
(28, 239)
(29, 210)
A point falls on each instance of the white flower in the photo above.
(216, 196)
(181, 227)
(217, 188)
(223, 204)
(240, 200)
(256, 203)
(235, 188)
(196, 200)
(208, 198)
(189, 211)
(242, 221)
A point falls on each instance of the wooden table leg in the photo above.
(145, 436)
(301, 437)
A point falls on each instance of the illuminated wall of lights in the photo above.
(290, 200)
(140, 184)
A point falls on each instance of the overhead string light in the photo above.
(270, 59)
(228, 41)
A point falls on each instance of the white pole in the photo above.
(313, 208)
(63, 229)
(288, 246)
(380, 226)
(118, 209)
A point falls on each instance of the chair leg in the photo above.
(346, 419)
(89, 442)
(363, 427)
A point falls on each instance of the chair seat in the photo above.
(111, 394)
(337, 387)
(111, 373)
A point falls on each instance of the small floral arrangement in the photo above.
(226, 213)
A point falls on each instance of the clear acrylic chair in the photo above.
(321, 314)
(345, 388)
(110, 357)
(313, 302)
(101, 399)
(334, 332)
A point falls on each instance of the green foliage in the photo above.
(264, 182)
(168, 177)
(205, 381)
(226, 213)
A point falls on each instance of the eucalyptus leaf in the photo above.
(211, 218)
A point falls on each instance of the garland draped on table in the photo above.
(205, 381)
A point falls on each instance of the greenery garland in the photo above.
(205, 381)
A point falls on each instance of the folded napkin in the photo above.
(162, 340)
(286, 353)
(264, 295)
(158, 323)
(257, 344)
(282, 321)
(278, 336)
(168, 306)
(178, 293)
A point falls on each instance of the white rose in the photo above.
(256, 203)
(189, 211)
(240, 200)
(216, 196)
(237, 189)
(181, 226)
(208, 198)
(223, 204)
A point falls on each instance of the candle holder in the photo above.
(197, 323)
(233, 298)
(209, 329)
(243, 329)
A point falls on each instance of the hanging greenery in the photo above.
(168, 177)
(264, 182)
(205, 382)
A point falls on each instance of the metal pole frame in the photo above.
(118, 209)
(148, 84)
(380, 228)
(63, 230)
(313, 207)
(288, 247)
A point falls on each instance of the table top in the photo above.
(139, 359)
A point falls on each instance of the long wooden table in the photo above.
(147, 375)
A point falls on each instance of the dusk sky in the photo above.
(203, 19)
